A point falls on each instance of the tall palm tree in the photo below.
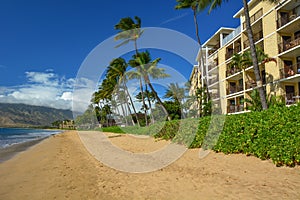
(138, 75)
(195, 5)
(216, 3)
(129, 30)
(116, 70)
(191, 4)
(147, 68)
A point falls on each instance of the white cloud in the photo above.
(46, 78)
(67, 96)
(48, 89)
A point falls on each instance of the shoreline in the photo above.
(60, 167)
(10, 151)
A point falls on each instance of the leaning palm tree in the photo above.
(138, 75)
(129, 30)
(216, 3)
(147, 68)
(116, 70)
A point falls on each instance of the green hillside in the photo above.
(21, 115)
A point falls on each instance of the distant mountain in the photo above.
(22, 115)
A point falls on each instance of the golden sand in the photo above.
(60, 167)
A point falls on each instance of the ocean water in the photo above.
(9, 136)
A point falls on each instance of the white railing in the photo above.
(232, 35)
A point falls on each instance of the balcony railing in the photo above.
(213, 49)
(237, 49)
(234, 109)
(254, 17)
(215, 95)
(288, 44)
(211, 65)
(213, 80)
(256, 37)
(234, 89)
(229, 54)
(281, 21)
(289, 71)
(229, 37)
(291, 99)
(232, 71)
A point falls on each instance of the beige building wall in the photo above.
(265, 20)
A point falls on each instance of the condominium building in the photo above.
(276, 30)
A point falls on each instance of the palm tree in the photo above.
(116, 70)
(244, 60)
(215, 3)
(129, 31)
(145, 68)
(195, 5)
(176, 93)
(138, 75)
(150, 98)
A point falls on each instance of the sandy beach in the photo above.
(60, 167)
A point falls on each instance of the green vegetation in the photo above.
(271, 134)
(112, 129)
(23, 115)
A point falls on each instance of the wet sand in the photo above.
(10, 151)
(60, 167)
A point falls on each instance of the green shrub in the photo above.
(272, 134)
(112, 129)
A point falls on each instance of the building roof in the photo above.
(240, 12)
(214, 39)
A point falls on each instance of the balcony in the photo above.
(215, 95)
(231, 71)
(213, 80)
(287, 16)
(229, 54)
(288, 44)
(234, 89)
(254, 17)
(290, 71)
(291, 99)
(232, 35)
(237, 49)
(213, 49)
(256, 38)
(212, 65)
(234, 109)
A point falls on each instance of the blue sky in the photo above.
(44, 43)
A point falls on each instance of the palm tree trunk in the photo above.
(133, 107)
(135, 47)
(201, 54)
(124, 114)
(149, 102)
(196, 26)
(156, 96)
(261, 90)
(143, 100)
